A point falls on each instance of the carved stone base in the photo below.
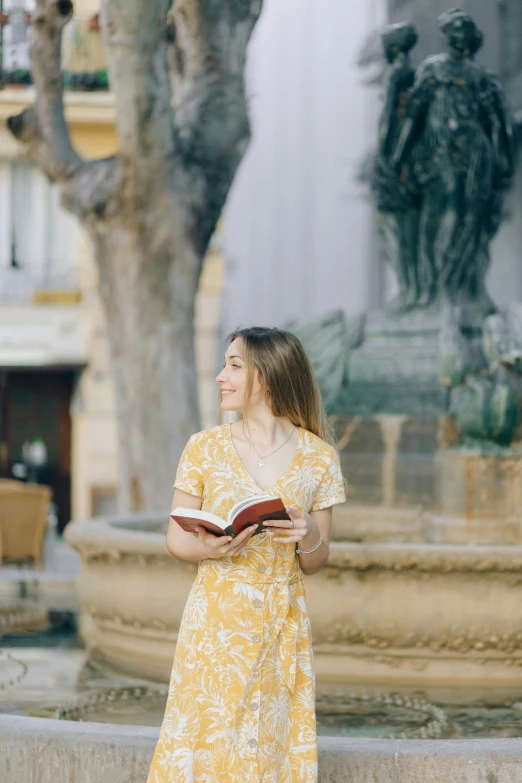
(421, 616)
(377, 524)
(395, 614)
(127, 649)
(480, 486)
(464, 679)
(479, 498)
(389, 461)
(397, 368)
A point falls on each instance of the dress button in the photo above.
(258, 603)
(261, 569)
(254, 706)
(256, 638)
(252, 743)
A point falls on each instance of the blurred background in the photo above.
(296, 239)
(425, 396)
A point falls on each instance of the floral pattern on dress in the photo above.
(241, 702)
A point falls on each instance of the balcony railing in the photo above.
(20, 286)
(83, 59)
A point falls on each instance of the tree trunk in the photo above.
(151, 210)
(149, 304)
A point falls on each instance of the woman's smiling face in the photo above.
(233, 379)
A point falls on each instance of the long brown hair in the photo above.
(286, 376)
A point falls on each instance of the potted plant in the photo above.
(103, 79)
(17, 79)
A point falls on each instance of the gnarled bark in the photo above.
(182, 126)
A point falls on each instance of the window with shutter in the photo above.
(38, 238)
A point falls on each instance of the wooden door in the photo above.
(36, 404)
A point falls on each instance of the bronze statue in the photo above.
(458, 140)
(395, 195)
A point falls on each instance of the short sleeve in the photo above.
(331, 489)
(189, 476)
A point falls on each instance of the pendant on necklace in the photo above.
(260, 463)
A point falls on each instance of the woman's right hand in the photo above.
(224, 546)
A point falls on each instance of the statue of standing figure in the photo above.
(454, 147)
(396, 196)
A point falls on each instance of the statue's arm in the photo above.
(502, 128)
(387, 122)
(417, 108)
(389, 114)
(398, 83)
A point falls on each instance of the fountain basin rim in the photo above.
(108, 753)
(429, 558)
(124, 534)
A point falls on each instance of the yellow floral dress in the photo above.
(241, 703)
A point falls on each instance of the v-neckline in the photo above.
(245, 471)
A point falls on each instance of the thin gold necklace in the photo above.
(261, 460)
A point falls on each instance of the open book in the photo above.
(254, 510)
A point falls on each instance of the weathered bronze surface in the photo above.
(397, 196)
(446, 158)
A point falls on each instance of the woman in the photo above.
(241, 705)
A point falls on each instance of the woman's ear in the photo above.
(257, 382)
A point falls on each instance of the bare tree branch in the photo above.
(87, 186)
(94, 192)
(43, 127)
(136, 48)
(207, 59)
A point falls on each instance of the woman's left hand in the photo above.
(299, 526)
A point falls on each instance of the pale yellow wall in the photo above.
(89, 115)
(86, 7)
(96, 141)
(207, 323)
(94, 438)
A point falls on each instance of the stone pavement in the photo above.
(50, 679)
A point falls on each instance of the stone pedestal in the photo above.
(396, 370)
(479, 498)
(389, 461)
(384, 615)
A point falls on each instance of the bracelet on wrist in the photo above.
(309, 551)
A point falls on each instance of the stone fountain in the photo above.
(391, 613)
(422, 587)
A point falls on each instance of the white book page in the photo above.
(193, 513)
(235, 510)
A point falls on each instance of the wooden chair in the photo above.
(12, 484)
(23, 521)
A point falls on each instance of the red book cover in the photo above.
(189, 523)
(257, 514)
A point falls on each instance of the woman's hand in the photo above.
(299, 527)
(224, 546)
